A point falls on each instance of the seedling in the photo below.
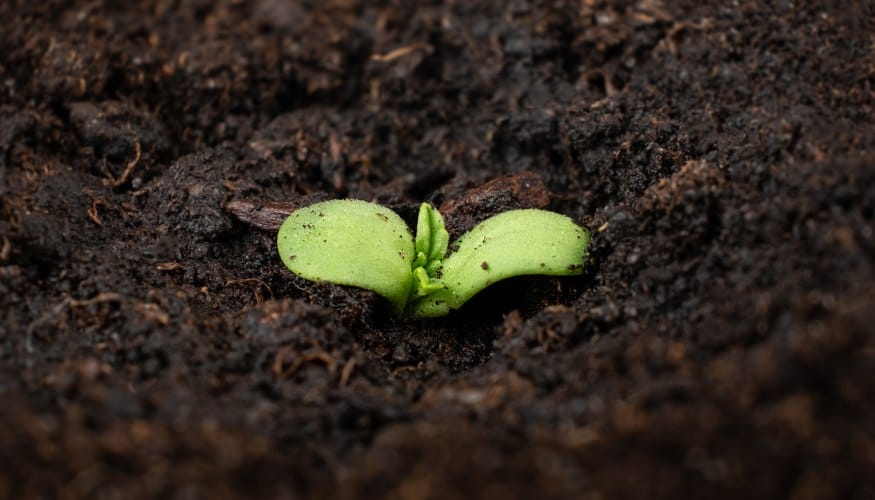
(361, 244)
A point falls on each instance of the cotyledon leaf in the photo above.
(350, 242)
(514, 243)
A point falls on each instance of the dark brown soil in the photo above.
(720, 344)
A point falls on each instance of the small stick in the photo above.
(6, 250)
(268, 215)
(401, 52)
(346, 373)
(92, 212)
(130, 168)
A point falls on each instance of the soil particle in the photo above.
(189, 198)
(71, 68)
(125, 141)
(462, 210)
(43, 237)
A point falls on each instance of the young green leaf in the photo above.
(432, 237)
(350, 242)
(513, 243)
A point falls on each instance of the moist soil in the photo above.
(719, 344)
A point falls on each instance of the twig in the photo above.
(92, 212)
(130, 168)
(401, 52)
(299, 361)
(6, 250)
(168, 266)
(346, 372)
(97, 299)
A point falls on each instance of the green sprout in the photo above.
(361, 244)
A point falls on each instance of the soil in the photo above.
(719, 345)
